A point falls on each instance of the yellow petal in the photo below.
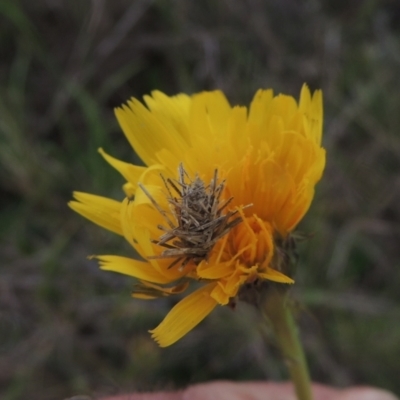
(138, 214)
(284, 106)
(312, 108)
(130, 172)
(260, 106)
(140, 224)
(144, 296)
(184, 316)
(128, 266)
(233, 283)
(209, 270)
(208, 122)
(228, 288)
(275, 276)
(171, 162)
(294, 209)
(220, 295)
(305, 99)
(100, 210)
(275, 187)
(237, 130)
(218, 110)
(317, 116)
(274, 124)
(146, 133)
(147, 290)
(126, 222)
(138, 228)
(172, 111)
(129, 190)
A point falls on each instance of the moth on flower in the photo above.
(199, 217)
(221, 192)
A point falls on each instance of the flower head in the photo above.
(222, 188)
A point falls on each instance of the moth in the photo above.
(200, 218)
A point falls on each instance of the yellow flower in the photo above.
(254, 170)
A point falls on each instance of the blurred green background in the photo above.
(68, 328)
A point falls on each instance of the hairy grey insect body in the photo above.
(199, 219)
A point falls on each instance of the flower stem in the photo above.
(276, 308)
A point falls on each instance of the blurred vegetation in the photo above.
(68, 328)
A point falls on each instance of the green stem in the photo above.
(276, 308)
